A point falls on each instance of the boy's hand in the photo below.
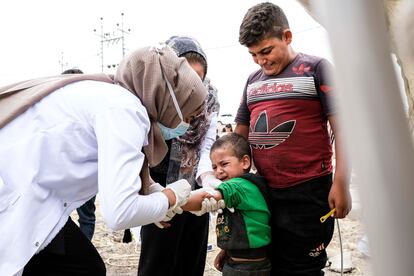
(195, 201)
(219, 260)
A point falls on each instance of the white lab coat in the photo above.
(83, 138)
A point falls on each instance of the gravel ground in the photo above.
(121, 259)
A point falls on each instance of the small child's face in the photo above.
(226, 165)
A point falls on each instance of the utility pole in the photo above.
(123, 32)
(101, 35)
(62, 62)
(112, 38)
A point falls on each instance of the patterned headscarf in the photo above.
(192, 139)
(185, 150)
(184, 44)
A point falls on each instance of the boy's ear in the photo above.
(246, 162)
(287, 36)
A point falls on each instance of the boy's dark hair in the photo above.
(72, 71)
(239, 145)
(262, 21)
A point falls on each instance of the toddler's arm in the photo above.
(194, 202)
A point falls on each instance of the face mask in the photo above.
(170, 133)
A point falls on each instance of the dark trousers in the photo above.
(299, 238)
(248, 268)
(179, 250)
(87, 217)
(70, 253)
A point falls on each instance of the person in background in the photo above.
(72, 71)
(86, 212)
(284, 112)
(243, 230)
(78, 134)
(181, 248)
(228, 128)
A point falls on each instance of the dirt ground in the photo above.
(121, 259)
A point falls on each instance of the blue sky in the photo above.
(42, 37)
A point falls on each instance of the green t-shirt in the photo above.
(249, 226)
